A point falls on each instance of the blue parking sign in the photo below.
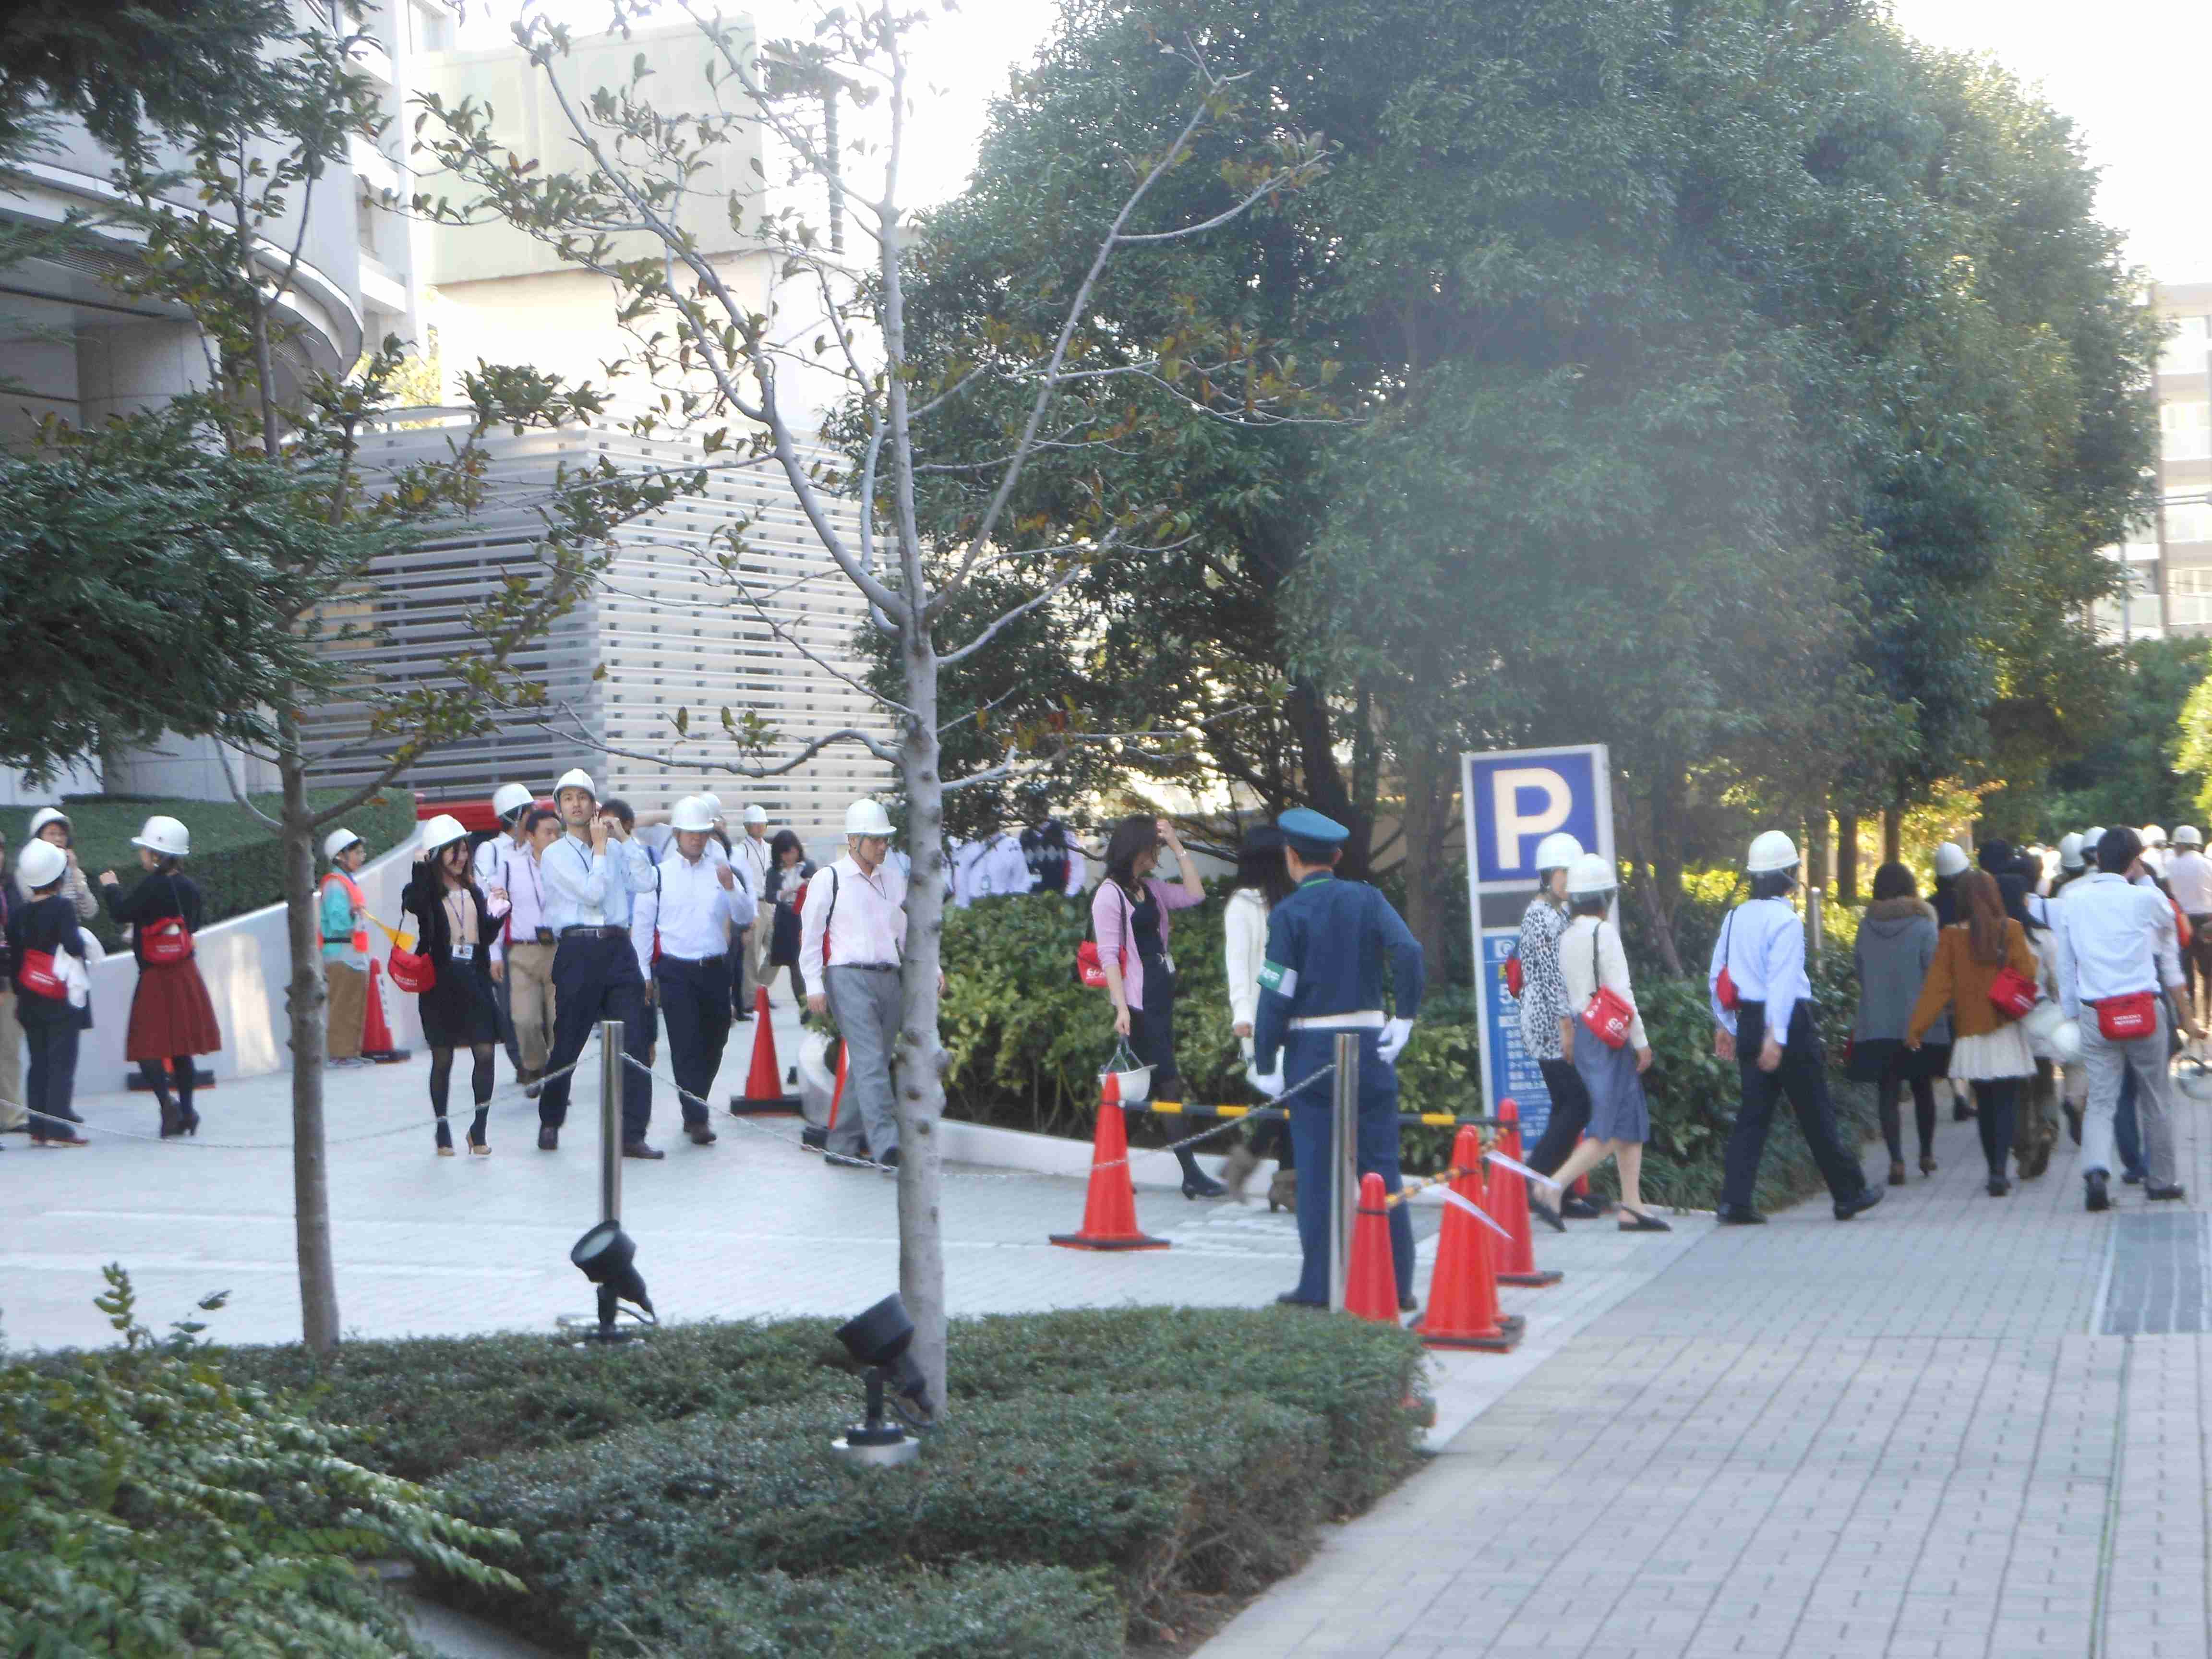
(1512, 799)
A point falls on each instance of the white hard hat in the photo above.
(2153, 835)
(576, 778)
(45, 816)
(1589, 875)
(2092, 836)
(1557, 851)
(42, 862)
(165, 837)
(2184, 835)
(2069, 851)
(1950, 859)
(442, 832)
(510, 798)
(693, 813)
(714, 801)
(2065, 1042)
(868, 817)
(337, 842)
(757, 815)
(1771, 850)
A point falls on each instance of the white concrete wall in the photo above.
(245, 963)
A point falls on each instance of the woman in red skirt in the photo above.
(171, 1018)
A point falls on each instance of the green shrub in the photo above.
(968, 1611)
(236, 861)
(149, 1509)
(1179, 1494)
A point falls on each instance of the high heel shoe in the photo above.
(172, 1123)
(1927, 1164)
(192, 1121)
(444, 1139)
(1196, 1183)
(478, 1146)
(1896, 1172)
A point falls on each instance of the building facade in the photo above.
(2168, 559)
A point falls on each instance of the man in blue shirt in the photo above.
(588, 895)
(1322, 975)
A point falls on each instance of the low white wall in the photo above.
(246, 962)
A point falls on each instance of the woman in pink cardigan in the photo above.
(1129, 919)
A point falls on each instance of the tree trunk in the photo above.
(1817, 844)
(922, 1071)
(304, 1002)
(1323, 779)
(1847, 855)
(1661, 890)
(1892, 835)
(1428, 788)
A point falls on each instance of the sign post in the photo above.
(1513, 799)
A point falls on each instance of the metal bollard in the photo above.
(1343, 1163)
(611, 1124)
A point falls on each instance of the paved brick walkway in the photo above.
(1905, 1436)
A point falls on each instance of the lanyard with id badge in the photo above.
(459, 915)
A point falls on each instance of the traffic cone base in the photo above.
(1462, 1310)
(1109, 1205)
(764, 1095)
(1371, 1284)
(1507, 1201)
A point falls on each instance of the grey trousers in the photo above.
(866, 1002)
(2107, 1064)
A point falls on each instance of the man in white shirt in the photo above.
(521, 953)
(852, 939)
(690, 912)
(589, 891)
(2189, 878)
(2116, 950)
(511, 805)
(753, 858)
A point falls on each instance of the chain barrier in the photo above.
(506, 1095)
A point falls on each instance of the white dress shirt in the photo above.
(584, 889)
(1763, 947)
(1583, 969)
(966, 859)
(751, 857)
(868, 928)
(1244, 923)
(2189, 873)
(1005, 868)
(690, 909)
(514, 869)
(2114, 939)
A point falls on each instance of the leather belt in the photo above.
(594, 932)
(1367, 1019)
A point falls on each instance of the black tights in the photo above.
(1997, 1098)
(441, 1076)
(1924, 1111)
(184, 1070)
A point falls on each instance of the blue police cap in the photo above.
(1303, 824)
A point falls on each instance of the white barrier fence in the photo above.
(246, 962)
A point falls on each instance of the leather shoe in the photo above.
(2164, 1194)
(1579, 1209)
(1739, 1215)
(548, 1138)
(1292, 1299)
(2133, 1177)
(1866, 1199)
(700, 1134)
(639, 1149)
(1545, 1213)
(2099, 1196)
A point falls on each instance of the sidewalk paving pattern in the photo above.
(1957, 1426)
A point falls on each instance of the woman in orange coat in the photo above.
(1989, 1048)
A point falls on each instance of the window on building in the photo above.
(2189, 596)
(2187, 521)
(2183, 352)
(2186, 430)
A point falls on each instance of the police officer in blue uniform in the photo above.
(1323, 975)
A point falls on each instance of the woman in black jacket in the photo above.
(455, 929)
(171, 1020)
(787, 875)
(41, 933)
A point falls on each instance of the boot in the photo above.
(1282, 1191)
(172, 1120)
(1896, 1172)
(1238, 1169)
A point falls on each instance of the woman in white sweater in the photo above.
(1263, 881)
(1590, 955)
(52, 824)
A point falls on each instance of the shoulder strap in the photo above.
(829, 915)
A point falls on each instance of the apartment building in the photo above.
(2169, 558)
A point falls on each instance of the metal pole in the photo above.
(1343, 1163)
(610, 1093)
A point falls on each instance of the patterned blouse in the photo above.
(1543, 991)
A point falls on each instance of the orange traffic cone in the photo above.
(1110, 1208)
(764, 1095)
(1371, 1287)
(819, 1138)
(1462, 1310)
(376, 1041)
(1508, 1195)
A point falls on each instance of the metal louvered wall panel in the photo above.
(665, 624)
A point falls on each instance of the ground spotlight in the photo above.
(608, 1257)
(878, 1340)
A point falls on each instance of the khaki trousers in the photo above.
(12, 1115)
(530, 1001)
(347, 988)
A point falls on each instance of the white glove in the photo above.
(1396, 1033)
(1269, 1084)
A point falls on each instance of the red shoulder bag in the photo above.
(1724, 991)
(1516, 976)
(37, 972)
(166, 941)
(2013, 993)
(1609, 1014)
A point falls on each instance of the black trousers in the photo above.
(1892, 1083)
(1803, 1077)
(595, 977)
(1571, 1110)
(50, 1080)
(695, 1003)
(1996, 1100)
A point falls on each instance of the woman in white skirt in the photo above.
(1989, 1048)
(1590, 955)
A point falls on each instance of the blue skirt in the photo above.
(1619, 1110)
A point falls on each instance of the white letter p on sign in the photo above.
(1513, 826)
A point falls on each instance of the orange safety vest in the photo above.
(360, 909)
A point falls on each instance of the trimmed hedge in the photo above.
(236, 861)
